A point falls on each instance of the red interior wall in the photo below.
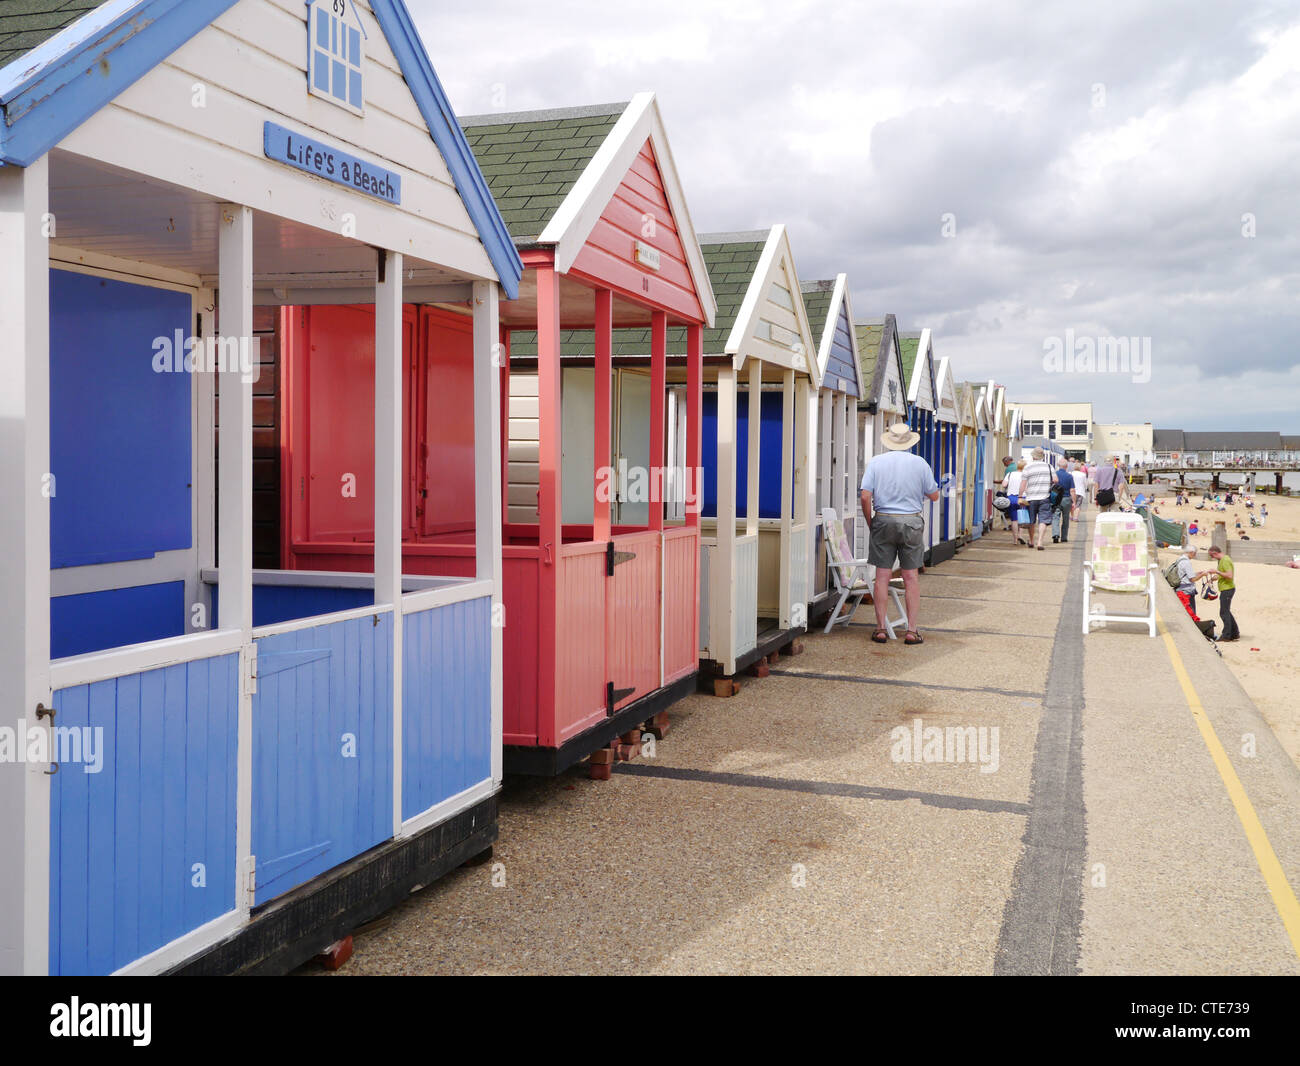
(329, 415)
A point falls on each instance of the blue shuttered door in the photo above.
(322, 749)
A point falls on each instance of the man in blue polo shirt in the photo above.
(894, 489)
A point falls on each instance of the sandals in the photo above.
(913, 637)
(879, 637)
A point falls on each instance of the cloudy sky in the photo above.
(1002, 172)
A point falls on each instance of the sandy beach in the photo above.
(1266, 660)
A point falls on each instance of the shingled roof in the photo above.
(869, 336)
(532, 159)
(875, 348)
(731, 259)
(24, 24)
(817, 303)
(907, 346)
(1233, 440)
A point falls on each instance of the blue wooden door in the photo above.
(322, 749)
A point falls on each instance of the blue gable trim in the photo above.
(53, 89)
(432, 101)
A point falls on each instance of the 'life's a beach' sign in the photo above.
(310, 155)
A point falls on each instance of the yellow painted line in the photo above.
(1279, 888)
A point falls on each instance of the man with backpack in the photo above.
(1183, 576)
(1064, 500)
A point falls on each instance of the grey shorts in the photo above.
(900, 537)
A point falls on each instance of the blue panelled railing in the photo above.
(142, 828)
(322, 749)
(446, 702)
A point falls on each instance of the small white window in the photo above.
(336, 53)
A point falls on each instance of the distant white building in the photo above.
(1067, 424)
(1132, 442)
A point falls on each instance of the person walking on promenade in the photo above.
(1062, 502)
(1080, 476)
(1011, 486)
(1008, 465)
(1226, 579)
(1110, 485)
(894, 490)
(1035, 494)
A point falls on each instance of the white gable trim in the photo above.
(741, 342)
(944, 387)
(577, 216)
(922, 364)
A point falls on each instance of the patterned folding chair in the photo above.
(1121, 563)
(853, 578)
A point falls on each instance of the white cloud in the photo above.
(859, 126)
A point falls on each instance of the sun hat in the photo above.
(898, 438)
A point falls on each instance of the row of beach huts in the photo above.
(356, 455)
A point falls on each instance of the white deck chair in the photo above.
(853, 578)
(1121, 564)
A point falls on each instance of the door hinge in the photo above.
(250, 879)
(613, 558)
(249, 660)
(613, 696)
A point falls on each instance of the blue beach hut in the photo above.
(225, 768)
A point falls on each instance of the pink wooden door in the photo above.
(632, 616)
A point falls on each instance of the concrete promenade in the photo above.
(783, 830)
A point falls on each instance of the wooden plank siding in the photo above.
(446, 702)
(143, 851)
(639, 212)
(681, 594)
(841, 365)
(251, 63)
(266, 441)
(322, 749)
(521, 444)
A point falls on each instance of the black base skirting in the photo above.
(941, 552)
(768, 641)
(550, 762)
(287, 932)
(821, 603)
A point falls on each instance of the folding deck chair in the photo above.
(1121, 563)
(853, 578)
